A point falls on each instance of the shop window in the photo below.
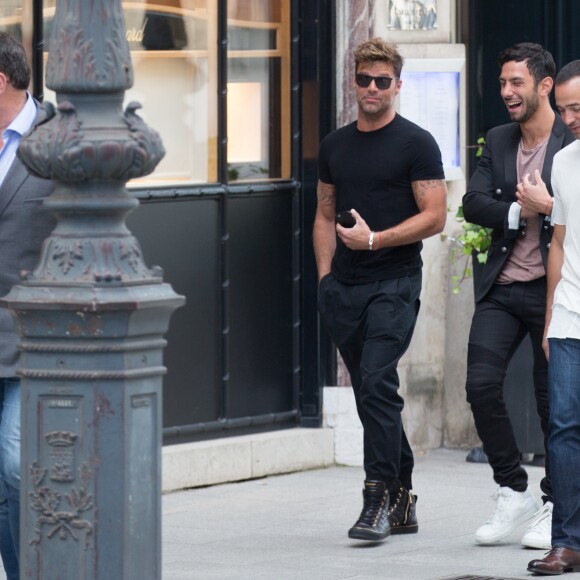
(11, 17)
(258, 89)
(16, 19)
(174, 54)
(174, 50)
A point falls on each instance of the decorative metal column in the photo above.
(92, 317)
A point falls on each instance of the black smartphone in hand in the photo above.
(345, 219)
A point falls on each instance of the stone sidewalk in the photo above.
(294, 527)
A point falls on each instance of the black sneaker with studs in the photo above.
(402, 511)
(373, 522)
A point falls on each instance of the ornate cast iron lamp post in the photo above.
(92, 317)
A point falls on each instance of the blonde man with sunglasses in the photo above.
(384, 178)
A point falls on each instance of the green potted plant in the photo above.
(472, 243)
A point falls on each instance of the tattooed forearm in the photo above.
(326, 194)
(422, 188)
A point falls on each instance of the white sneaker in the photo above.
(513, 509)
(539, 534)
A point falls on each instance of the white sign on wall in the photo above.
(431, 99)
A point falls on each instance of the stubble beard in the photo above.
(373, 112)
(531, 106)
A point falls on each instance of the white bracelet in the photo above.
(371, 238)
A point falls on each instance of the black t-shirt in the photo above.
(372, 172)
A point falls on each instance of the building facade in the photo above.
(241, 92)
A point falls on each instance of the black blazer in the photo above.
(492, 190)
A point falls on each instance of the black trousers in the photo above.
(500, 323)
(372, 325)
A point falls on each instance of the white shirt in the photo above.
(565, 321)
(13, 133)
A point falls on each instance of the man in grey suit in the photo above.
(24, 224)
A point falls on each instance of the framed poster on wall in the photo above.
(413, 21)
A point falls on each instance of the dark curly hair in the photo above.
(539, 61)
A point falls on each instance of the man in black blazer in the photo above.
(24, 224)
(511, 294)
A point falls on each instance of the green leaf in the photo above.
(473, 240)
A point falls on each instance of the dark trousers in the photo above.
(372, 324)
(500, 323)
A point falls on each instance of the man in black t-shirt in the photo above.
(387, 171)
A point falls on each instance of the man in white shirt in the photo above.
(562, 337)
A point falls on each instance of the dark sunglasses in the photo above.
(382, 83)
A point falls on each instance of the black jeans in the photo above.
(372, 324)
(500, 323)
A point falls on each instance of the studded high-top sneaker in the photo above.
(373, 522)
(403, 511)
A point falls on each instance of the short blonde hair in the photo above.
(378, 50)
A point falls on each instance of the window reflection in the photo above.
(258, 89)
(11, 12)
(163, 28)
(172, 60)
(16, 19)
(174, 81)
(174, 50)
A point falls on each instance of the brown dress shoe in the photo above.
(557, 561)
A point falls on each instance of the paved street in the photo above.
(293, 527)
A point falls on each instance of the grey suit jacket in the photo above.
(24, 224)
